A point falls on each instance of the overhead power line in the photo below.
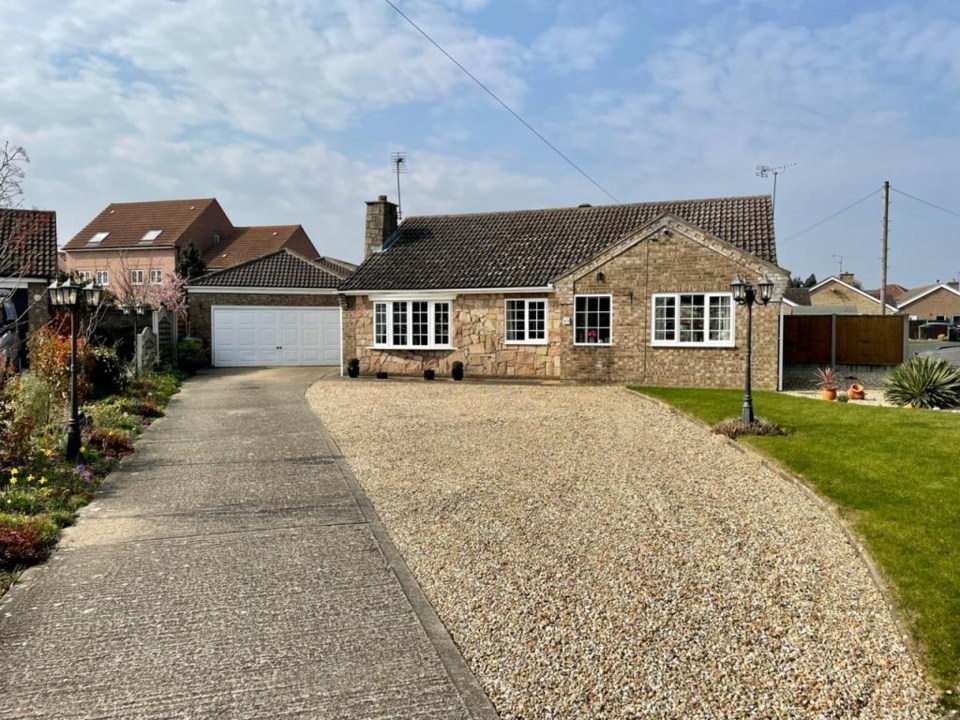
(925, 202)
(831, 217)
(503, 104)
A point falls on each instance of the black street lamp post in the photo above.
(73, 297)
(746, 294)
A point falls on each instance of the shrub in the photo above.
(50, 360)
(107, 371)
(25, 541)
(191, 355)
(111, 442)
(734, 427)
(16, 427)
(112, 415)
(33, 398)
(924, 381)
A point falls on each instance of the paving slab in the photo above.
(232, 568)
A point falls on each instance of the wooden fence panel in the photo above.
(869, 339)
(860, 339)
(806, 339)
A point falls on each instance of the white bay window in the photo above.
(417, 324)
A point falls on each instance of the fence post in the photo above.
(833, 340)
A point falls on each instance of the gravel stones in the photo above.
(595, 555)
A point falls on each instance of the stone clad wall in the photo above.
(478, 340)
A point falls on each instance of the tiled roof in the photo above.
(28, 243)
(127, 223)
(281, 269)
(797, 295)
(248, 243)
(917, 293)
(336, 266)
(894, 291)
(530, 248)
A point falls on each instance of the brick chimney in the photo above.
(846, 277)
(381, 223)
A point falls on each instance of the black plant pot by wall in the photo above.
(353, 372)
(382, 375)
(429, 374)
(458, 374)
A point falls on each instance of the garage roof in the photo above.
(281, 269)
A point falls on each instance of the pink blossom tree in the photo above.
(171, 295)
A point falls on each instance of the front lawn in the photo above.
(895, 475)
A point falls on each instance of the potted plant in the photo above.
(457, 370)
(353, 367)
(429, 374)
(382, 375)
(856, 392)
(827, 383)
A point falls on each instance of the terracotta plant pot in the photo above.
(828, 394)
(856, 392)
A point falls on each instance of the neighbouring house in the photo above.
(894, 292)
(939, 301)
(28, 264)
(627, 293)
(281, 309)
(130, 246)
(796, 300)
(834, 293)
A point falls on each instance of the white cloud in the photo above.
(578, 47)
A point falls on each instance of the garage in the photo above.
(278, 310)
(269, 336)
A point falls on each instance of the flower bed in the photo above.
(40, 491)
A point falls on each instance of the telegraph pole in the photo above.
(883, 254)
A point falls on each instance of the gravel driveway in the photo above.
(595, 555)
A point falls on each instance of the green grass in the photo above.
(895, 475)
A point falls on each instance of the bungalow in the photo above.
(840, 295)
(626, 293)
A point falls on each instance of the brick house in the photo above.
(839, 295)
(130, 246)
(28, 264)
(280, 309)
(940, 301)
(628, 293)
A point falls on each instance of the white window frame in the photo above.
(150, 236)
(431, 324)
(156, 276)
(83, 275)
(98, 238)
(136, 277)
(103, 277)
(706, 342)
(576, 315)
(526, 321)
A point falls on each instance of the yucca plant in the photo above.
(924, 381)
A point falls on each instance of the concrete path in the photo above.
(232, 568)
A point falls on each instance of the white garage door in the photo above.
(268, 336)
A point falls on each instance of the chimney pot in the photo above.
(382, 198)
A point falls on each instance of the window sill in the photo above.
(674, 344)
(596, 344)
(525, 342)
(410, 347)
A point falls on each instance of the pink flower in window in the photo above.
(592, 334)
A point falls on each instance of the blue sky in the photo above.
(287, 111)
